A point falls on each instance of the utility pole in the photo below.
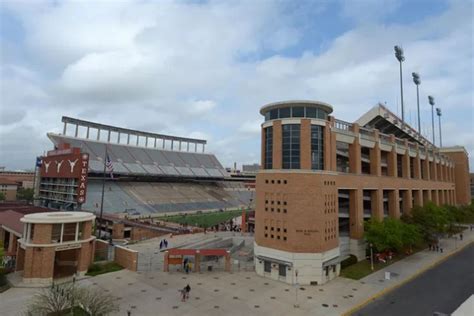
(432, 103)
(417, 81)
(438, 112)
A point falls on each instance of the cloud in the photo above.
(206, 68)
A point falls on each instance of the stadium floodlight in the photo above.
(417, 81)
(432, 102)
(400, 57)
(438, 112)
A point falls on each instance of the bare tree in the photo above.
(96, 302)
(60, 299)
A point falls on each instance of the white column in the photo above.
(203, 147)
(87, 134)
(62, 232)
(77, 130)
(172, 143)
(187, 146)
(98, 134)
(77, 232)
(65, 128)
(128, 139)
(108, 137)
(163, 143)
(138, 138)
(154, 144)
(118, 139)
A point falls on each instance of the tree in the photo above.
(25, 194)
(60, 299)
(2, 196)
(431, 220)
(391, 234)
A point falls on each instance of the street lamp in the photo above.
(400, 58)
(371, 257)
(432, 102)
(417, 81)
(438, 112)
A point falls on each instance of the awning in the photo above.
(332, 261)
(273, 260)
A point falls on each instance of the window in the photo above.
(285, 112)
(311, 112)
(274, 114)
(282, 270)
(298, 111)
(284, 238)
(56, 235)
(317, 148)
(291, 146)
(268, 148)
(32, 231)
(267, 266)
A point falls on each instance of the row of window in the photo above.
(267, 267)
(296, 111)
(275, 202)
(278, 237)
(291, 147)
(278, 229)
(278, 210)
(276, 181)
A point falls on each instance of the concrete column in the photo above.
(426, 167)
(407, 201)
(327, 145)
(305, 144)
(227, 261)
(154, 143)
(332, 148)
(433, 173)
(406, 162)
(355, 162)
(203, 147)
(146, 141)
(138, 139)
(65, 128)
(417, 166)
(375, 160)
(76, 131)
(356, 214)
(418, 196)
(128, 139)
(435, 197)
(277, 145)
(393, 204)
(376, 197)
(98, 134)
(197, 262)
(166, 262)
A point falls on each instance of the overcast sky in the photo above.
(204, 68)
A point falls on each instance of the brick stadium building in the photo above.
(321, 178)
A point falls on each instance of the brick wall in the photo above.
(139, 233)
(101, 249)
(127, 258)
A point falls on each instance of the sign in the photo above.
(82, 183)
(387, 275)
(68, 247)
(307, 232)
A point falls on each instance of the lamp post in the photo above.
(400, 57)
(432, 102)
(371, 257)
(417, 81)
(438, 112)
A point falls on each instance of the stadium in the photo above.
(150, 174)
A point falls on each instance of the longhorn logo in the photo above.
(46, 165)
(58, 164)
(72, 164)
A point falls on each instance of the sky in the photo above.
(203, 69)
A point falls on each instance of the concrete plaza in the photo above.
(240, 293)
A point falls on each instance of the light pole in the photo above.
(371, 257)
(438, 112)
(417, 81)
(432, 102)
(400, 57)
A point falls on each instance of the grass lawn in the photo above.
(362, 268)
(204, 220)
(101, 268)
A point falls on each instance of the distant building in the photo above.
(250, 169)
(472, 184)
(9, 188)
(23, 178)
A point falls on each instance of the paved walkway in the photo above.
(240, 293)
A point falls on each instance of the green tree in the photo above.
(391, 234)
(24, 194)
(2, 196)
(431, 220)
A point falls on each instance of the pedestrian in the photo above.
(188, 290)
(437, 248)
(183, 294)
(460, 236)
(166, 243)
(185, 262)
(429, 246)
(441, 249)
(161, 244)
(186, 268)
(471, 226)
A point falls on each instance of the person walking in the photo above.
(460, 236)
(188, 290)
(161, 244)
(183, 294)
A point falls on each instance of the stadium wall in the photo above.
(127, 258)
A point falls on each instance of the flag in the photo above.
(39, 162)
(109, 165)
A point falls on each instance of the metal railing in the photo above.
(342, 125)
